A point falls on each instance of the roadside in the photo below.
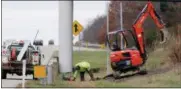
(13, 80)
(160, 73)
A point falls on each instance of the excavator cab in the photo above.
(127, 57)
(114, 40)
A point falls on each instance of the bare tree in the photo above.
(130, 11)
(91, 31)
(96, 30)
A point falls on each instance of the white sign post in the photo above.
(23, 73)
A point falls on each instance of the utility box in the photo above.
(40, 71)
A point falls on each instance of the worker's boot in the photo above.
(82, 76)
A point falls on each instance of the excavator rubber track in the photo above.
(111, 76)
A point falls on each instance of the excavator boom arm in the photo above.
(137, 25)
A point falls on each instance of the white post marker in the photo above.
(24, 73)
(108, 61)
(65, 36)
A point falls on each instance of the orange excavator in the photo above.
(133, 55)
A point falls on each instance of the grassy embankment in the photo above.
(158, 73)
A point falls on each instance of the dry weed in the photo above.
(175, 50)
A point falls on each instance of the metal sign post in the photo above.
(77, 30)
(79, 42)
(24, 73)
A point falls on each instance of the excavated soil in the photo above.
(135, 75)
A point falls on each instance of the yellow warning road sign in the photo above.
(40, 71)
(77, 28)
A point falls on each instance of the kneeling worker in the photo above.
(82, 67)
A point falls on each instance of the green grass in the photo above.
(96, 59)
(156, 60)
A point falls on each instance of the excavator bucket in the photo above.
(164, 35)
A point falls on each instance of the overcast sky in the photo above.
(21, 19)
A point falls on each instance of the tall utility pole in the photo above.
(121, 23)
(108, 61)
(65, 32)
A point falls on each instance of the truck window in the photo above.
(17, 47)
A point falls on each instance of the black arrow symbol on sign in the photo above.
(76, 29)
